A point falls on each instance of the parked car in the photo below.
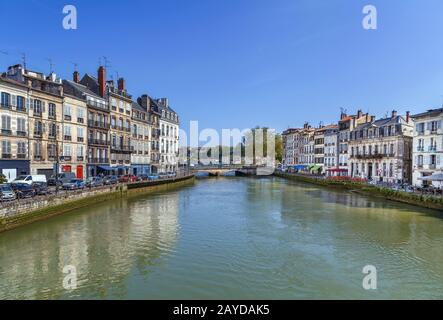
(127, 178)
(40, 188)
(153, 177)
(143, 177)
(7, 193)
(23, 190)
(93, 182)
(162, 175)
(107, 180)
(30, 179)
(61, 178)
(74, 184)
(171, 174)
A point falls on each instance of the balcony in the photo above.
(22, 133)
(6, 156)
(121, 148)
(52, 116)
(52, 136)
(67, 138)
(432, 166)
(67, 117)
(98, 142)
(21, 156)
(98, 160)
(65, 158)
(98, 124)
(21, 109)
(38, 134)
(81, 159)
(51, 157)
(80, 139)
(420, 149)
(432, 148)
(38, 158)
(6, 132)
(5, 106)
(80, 120)
(97, 105)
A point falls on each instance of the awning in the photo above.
(300, 167)
(107, 168)
(434, 177)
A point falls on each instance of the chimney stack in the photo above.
(359, 114)
(121, 84)
(394, 113)
(102, 81)
(408, 116)
(76, 77)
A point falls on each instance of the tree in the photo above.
(3, 178)
(278, 148)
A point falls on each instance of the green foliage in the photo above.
(3, 178)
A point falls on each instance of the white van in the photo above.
(30, 179)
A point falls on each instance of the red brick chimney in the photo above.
(408, 116)
(121, 84)
(76, 77)
(102, 81)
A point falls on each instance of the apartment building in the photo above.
(74, 126)
(308, 146)
(319, 150)
(381, 149)
(14, 159)
(289, 139)
(141, 144)
(94, 91)
(154, 119)
(44, 105)
(346, 124)
(331, 150)
(169, 140)
(427, 146)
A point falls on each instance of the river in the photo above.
(229, 238)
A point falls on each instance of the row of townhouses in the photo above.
(86, 125)
(395, 149)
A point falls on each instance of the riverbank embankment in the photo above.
(426, 201)
(19, 213)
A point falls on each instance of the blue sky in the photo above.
(241, 63)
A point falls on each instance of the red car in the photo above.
(127, 178)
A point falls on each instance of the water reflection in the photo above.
(104, 244)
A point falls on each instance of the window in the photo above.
(6, 99)
(67, 132)
(38, 107)
(21, 103)
(38, 128)
(37, 150)
(52, 130)
(21, 126)
(80, 132)
(420, 161)
(6, 148)
(67, 150)
(51, 110)
(80, 114)
(80, 151)
(6, 124)
(420, 128)
(21, 149)
(67, 112)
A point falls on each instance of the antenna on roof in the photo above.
(24, 60)
(107, 65)
(51, 65)
(75, 65)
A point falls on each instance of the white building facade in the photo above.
(427, 146)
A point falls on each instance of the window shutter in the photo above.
(43, 106)
(14, 100)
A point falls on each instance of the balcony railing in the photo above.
(98, 124)
(38, 158)
(80, 139)
(22, 133)
(38, 133)
(6, 156)
(98, 142)
(65, 158)
(432, 166)
(21, 155)
(98, 160)
(97, 105)
(420, 148)
(5, 105)
(80, 158)
(67, 117)
(121, 148)
(80, 120)
(67, 138)
(7, 132)
(432, 148)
